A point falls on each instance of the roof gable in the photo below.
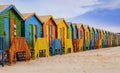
(5, 8)
(29, 15)
(46, 18)
(59, 20)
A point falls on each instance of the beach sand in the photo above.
(106, 60)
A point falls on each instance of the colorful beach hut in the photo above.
(100, 38)
(81, 36)
(70, 30)
(96, 38)
(117, 39)
(61, 30)
(113, 40)
(110, 39)
(87, 37)
(75, 37)
(49, 28)
(92, 38)
(11, 22)
(32, 27)
(75, 30)
(105, 45)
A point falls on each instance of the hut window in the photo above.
(80, 34)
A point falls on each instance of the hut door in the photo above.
(50, 35)
(6, 33)
(35, 33)
(12, 29)
(31, 35)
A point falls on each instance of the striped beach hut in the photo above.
(11, 22)
(49, 28)
(87, 37)
(32, 27)
(92, 38)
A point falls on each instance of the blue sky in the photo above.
(103, 14)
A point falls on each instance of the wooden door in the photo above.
(12, 29)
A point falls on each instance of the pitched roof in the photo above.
(79, 25)
(58, 20)
(29, 15)
(85, 26)
(44, 18)
(3, 7)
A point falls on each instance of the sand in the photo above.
(105, 60)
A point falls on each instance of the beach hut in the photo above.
(105, 45)
(70, 30)
(116, 35)
(100, 38)
(61, 30)
(75, 30)
(11, 22)
(110, 39)
(49, 28)
(87, 37)
(113, 40)
(92, 38)
(68, 42)
(81, 36)
(75, 37)
(96, 38)
(33, 28)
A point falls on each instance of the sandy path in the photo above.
(95, 61)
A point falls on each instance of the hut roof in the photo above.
(3, 7)
(45, 17)
(85, 26)
(58, 20)
(29, 15)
